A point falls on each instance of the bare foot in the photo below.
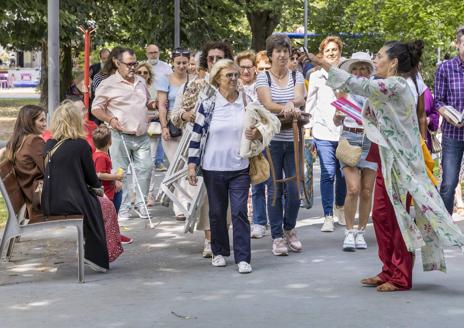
(372, 281)
(387, 287)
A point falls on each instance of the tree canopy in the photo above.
(245, 23)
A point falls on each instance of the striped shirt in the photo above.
(449, 90)
(281, 96)
(207, 98)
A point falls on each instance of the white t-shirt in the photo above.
(420, 85)
(319, 105)
(224, 136)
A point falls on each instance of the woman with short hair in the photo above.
(326, 134)
(282, 92)
(215, 147)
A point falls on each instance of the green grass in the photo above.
(13, 102)
(2, 212)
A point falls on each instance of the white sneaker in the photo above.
(244, 267)
(348, 242)
(218, 261)
(124, 215)
(141, 212)
(359, 240)
(293, 243)
(339, 212)
(258, 231)
(328, 225)
(207, 252)
(279, 247)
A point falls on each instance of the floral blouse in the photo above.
(390, 120)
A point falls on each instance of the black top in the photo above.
(67, 176)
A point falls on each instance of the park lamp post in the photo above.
(53, 35)
(87, 29)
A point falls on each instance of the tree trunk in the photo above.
(262, 25)
(43, 85)
(66, 77)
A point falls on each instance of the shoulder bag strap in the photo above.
(50, 153)
(269, 82)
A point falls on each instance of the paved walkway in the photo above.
(162, 281)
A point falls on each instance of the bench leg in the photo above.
(80, 253)
(9, 250)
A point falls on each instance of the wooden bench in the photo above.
(16, 210)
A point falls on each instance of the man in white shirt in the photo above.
(159, 67)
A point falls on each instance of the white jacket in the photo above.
(267, 124)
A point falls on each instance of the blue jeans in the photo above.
(452, 151)
(117, 200)
(159, 157)
(258, 200)
(330, 174)
(284, 162)
(222, 186)
(139, 151)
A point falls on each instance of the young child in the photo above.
(111, 182)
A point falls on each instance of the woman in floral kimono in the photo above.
(390, 121)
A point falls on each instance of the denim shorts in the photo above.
(356, 139)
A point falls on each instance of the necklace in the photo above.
(277, 76)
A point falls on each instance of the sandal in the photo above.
(372, 281)
(387, 287)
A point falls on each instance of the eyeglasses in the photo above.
(142, 72)
(152, 52)
(244, 68)
(262, 69)
(213, 59)
(130, 65)
(231, 76)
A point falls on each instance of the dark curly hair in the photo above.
(221, 45)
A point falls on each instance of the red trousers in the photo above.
(397, 260)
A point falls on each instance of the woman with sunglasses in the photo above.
(176, 83)
(215, 145)
(184, 113)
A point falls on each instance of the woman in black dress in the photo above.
(68, 181)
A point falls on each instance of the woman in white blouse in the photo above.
(215, 146)
(326, 134)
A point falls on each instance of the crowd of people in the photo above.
(375, 164)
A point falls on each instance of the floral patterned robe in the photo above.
(390, 120)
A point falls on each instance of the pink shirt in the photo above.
(127, 101)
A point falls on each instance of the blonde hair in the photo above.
(247, 54)
(150, 72)
(67, 122)
(218, 67)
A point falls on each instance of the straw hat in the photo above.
(357, 57)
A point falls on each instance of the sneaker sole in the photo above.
(245, 272)
(279, 254)
(349, 249)
(295, 250)
(327, 230)
(361, 247)
(140, 215)
(257, 237)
